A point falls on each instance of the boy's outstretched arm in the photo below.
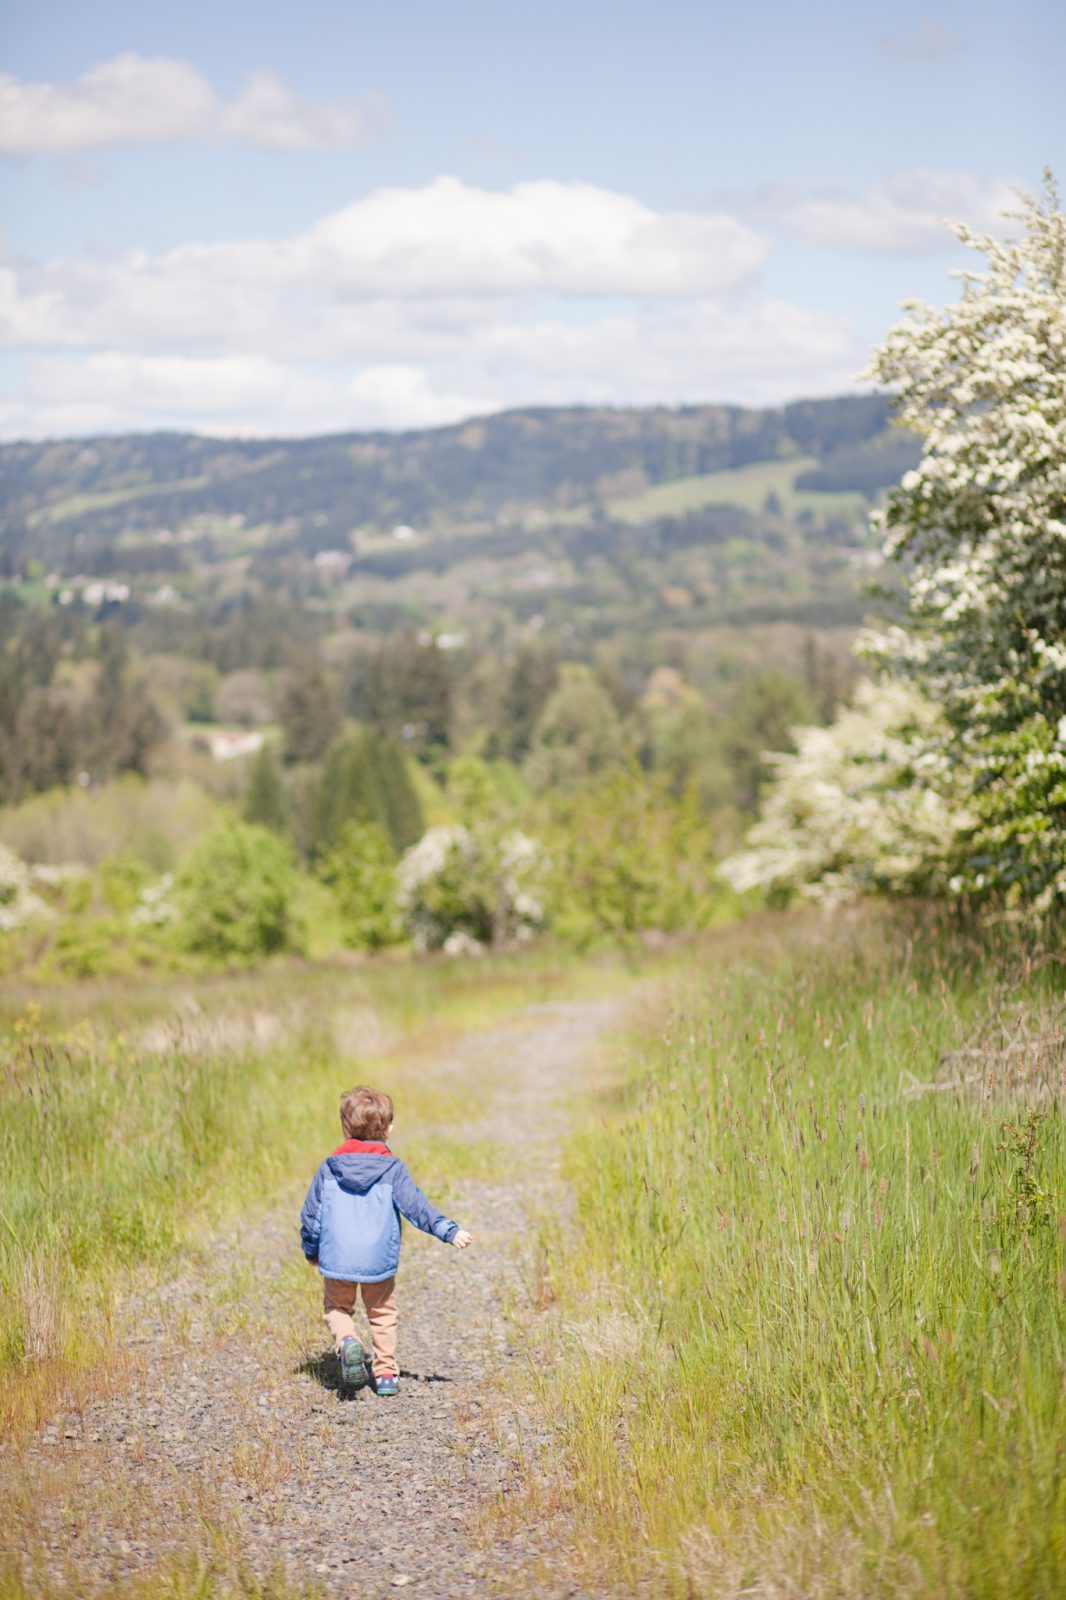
(311, 1217)
(422, 1213)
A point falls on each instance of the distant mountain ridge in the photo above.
(90, 492)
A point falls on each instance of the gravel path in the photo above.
(239, 1443)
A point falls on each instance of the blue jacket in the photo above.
(350, 1221)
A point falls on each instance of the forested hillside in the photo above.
(490, 467)
(159, 590)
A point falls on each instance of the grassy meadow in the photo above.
(810, 1333)
(738, 486)
(138, 1116)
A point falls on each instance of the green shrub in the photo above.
(122, 878)
(364, 779)
(264, 798)
(627, 858)
(235, 894)
(360, 870)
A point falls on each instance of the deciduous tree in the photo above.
(980, 527)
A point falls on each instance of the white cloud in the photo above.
(568, 238)
(697, 351)
(906, 214)
(411, 308)
(927, 41)
(138, 100)
(341, 281)
(248, 394)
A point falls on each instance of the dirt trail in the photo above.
(370, 1496)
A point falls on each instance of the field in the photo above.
(806, 1336)
(747, 487)
(137, 1118)
(811, 1334)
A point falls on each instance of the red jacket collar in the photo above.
(362, 1147)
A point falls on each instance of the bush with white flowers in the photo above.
(863, 804)
(980, 526)
(155, 906)
(461, 889)
(19, 902)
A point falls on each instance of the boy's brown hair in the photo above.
(365, 1113)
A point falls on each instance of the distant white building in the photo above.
(402, 531)
(228, 746)
(96, 593)
(332, 560)
(443, 641)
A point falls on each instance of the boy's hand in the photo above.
(461, 1240)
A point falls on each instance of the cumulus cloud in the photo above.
(445, 243)
(764, 353)
(250, 394)
(570, 238)
(139, 100)
(412, 308)
(927, 41)
(906, 214)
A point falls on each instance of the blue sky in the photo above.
(239, 218)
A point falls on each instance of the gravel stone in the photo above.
(382, 1494)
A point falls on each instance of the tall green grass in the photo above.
(813, 1326)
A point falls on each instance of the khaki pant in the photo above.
(338, 1303)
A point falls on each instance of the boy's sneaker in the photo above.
(387, 1385)
(353, 1364)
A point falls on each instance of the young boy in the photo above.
(350, 1230)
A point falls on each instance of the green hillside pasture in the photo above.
(813, 1331)
(78, 505)
(740, 486)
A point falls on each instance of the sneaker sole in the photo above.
(357, 1378)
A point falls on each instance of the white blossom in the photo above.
(979, 527)
(457, 887)
(155, 908)
(19, 903)
(849, 811)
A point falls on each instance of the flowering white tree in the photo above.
(980, 526)
(460, 889)
(19, 902)
(861, 805)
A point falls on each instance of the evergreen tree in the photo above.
(403, 809)
(264, 799)
(578, 735)
(409, 692)
(364, 779)
(532, 680)
(10, 756)
(309, 711)
(348, 790)
(124, 723)
(48, 743)
(766, 709)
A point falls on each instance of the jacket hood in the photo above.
(359, 1170)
